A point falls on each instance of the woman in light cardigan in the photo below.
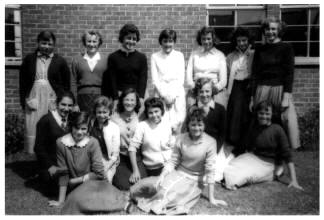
(239, 63)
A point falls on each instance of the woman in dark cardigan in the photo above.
(42, 74)
(49, 128)
(127, 68)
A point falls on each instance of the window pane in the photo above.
(224, 34)
(224, 47)
(10, 32)
(221, 5)
(250, 17)
(9, 15)
(223, 18)
(314, 33)
(10, 49)
(300, 49)
(314, 49)
(255, 32)
(295, 16)
(295, 34)
(314, 16)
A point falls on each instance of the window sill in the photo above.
(13, 61)
(307, 61)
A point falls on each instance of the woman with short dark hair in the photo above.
(87, 71)
(42, 75)
(126, 67)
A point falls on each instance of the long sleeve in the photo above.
(41, 143)
(255, 70)
(142, 79)
(61, 163)
(189, 74)
(137, 139)
(222, 76)
(74, 77)
(112, 140)
(175, 158)
(288, 62)
(65, 75)
(109, 86)
(221, 126)
(284, 152)
(209, 164)
(96, 160)
(155, 75)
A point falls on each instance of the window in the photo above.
(13, 35)
(302, 31)
(225, 18)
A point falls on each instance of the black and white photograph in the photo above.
(170, 108)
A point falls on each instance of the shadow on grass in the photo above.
(27, 170)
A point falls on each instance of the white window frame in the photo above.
(16, 60)
(304, 60)
(235, 8)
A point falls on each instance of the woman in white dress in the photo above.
(168, 70)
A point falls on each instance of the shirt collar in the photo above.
(57, 117)
(247, 52)
(39, 54)
(210, 104)
(126, 51)
(212, 51)
(68, 141)
(94, 58)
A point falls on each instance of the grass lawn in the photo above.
(23, 193)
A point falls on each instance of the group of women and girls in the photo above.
(160, 152)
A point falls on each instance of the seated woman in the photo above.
(107, 133)
(49, 128)
(269, 147)
(126, 118)
(153, 137)
(179, 186)
(79, 154)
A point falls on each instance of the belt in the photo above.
(87, 86)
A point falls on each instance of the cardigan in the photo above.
(193, 157)
(239, 66)
(215, 124)
(47, 132)
(124, 71)
(58, 75)
(273, 65)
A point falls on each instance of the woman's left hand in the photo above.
(217, 202)
(295, 185)
(53, 203)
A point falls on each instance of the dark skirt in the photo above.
(124, 171)
(238, 114)
(86, 101)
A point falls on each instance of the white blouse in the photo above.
(210, 64)
(168, 72)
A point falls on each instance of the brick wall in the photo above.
(68, 22)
